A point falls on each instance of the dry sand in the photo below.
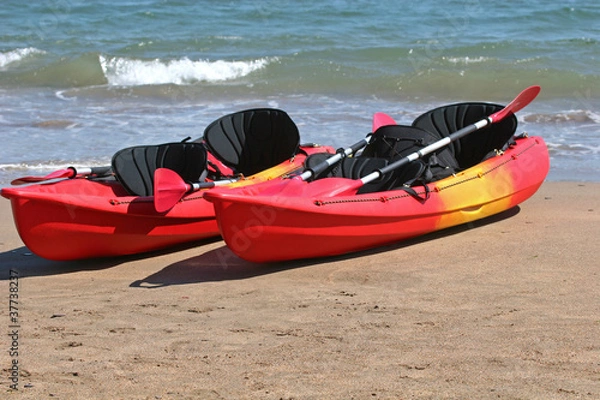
(508, 308)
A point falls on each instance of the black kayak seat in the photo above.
(388, 144)
(475, 147)
(357, 167)
(134, 167)
(392, 142)
(253, 140)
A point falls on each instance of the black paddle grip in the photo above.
(319, 169)
(359, 145)
(101, 171)
(395, 165)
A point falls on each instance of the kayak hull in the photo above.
(80, 218)
(304, 220)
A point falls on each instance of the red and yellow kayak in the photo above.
(294, 219)
(82, 218)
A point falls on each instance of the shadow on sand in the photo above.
(215, 265)
(27, 264)
(222, 265)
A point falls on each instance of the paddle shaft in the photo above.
(319, 168)
(195, 186)
(522, 100)
(69, 172)
(426, 150)
(169, 188)
(379, 119)
(90, 171)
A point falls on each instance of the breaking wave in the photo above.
(13, 56)
(121, 71)
(93, 69)
(578, 116)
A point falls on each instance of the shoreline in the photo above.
(501, 308)
(569, 127)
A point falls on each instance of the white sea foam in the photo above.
(120, 71)
(12, 56)
(578, 116)
(466, 60)
(572, 149)
(48, 166)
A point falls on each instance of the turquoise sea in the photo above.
(81, 79)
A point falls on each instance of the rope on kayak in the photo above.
(193, 198)
(116, 202)
(484, 173)
(140, 199)
(385, 199)
(382, 199)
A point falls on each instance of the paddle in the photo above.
(69, 172)
(169, 188)
(519, 102)
(379, 119)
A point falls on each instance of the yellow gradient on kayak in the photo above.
(272, 173)
(483, 190)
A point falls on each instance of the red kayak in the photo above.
(296, 219)
(300, 222)
(81, 218)
(84, 218)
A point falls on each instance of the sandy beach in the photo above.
(506, 308)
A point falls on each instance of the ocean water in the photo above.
(80, 80)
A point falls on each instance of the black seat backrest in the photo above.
(396, 141)
(353, 168)
(473, 148)
(390, 143)
(253, 140)
(393, 142)
(134, 167)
